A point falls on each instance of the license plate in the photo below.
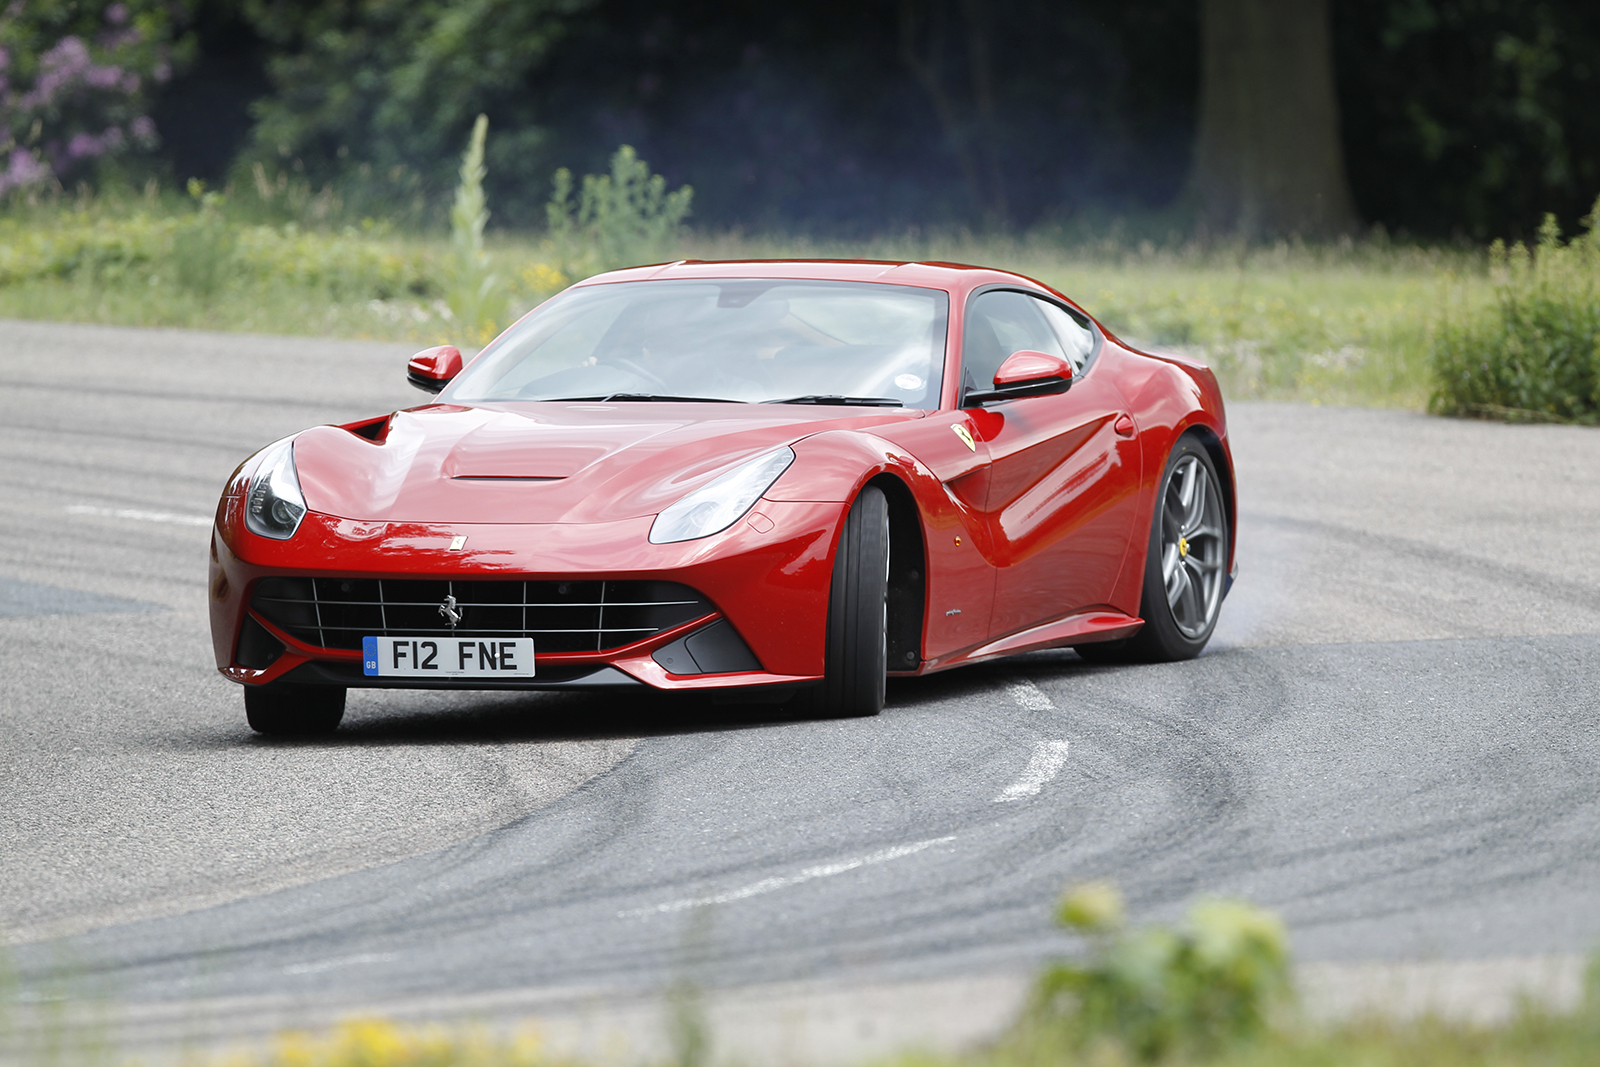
(408, 657)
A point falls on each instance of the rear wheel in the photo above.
(1185, 570)
(294, 710)
(857, 654)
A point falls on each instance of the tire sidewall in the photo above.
(856, 668)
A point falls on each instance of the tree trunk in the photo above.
(1267, 159)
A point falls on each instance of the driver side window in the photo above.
(999, 323)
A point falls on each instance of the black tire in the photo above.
(294, 710)
(856, 667)
(1189, 541)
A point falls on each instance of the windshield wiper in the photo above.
(834, 398)
(644, 397)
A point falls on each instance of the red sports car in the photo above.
(769, 480)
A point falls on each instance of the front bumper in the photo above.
(767, 577)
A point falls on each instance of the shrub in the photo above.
(621, 219)
(1197, 989)
(1534, 353)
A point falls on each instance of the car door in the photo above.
(1064, 468)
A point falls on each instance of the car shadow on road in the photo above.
(376, 717)
(402, 717)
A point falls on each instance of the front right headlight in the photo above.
(275, 505)
(721, 502)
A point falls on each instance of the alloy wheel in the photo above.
(1193, 552)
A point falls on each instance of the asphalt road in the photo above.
(1393, 739)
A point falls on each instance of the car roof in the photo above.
(953, 277)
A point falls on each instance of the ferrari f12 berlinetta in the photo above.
(766, 480)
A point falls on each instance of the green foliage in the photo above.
(147, 251)
(621, 219)
(203, 244)
(477, 299)
(1534, 353)
(1208, 985)
(1467, 111)
(389, 83)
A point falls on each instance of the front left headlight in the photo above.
(275, 505)
(721, 502)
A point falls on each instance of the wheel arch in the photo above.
(908, 573)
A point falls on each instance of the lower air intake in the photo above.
(593, 616)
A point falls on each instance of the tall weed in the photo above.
(1534, 353)
(477, 299)
(621, 219)
(203, 244)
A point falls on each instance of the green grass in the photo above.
(1349, 323)
(1532, 1039)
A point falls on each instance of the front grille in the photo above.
(559, 616)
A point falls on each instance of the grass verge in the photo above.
(1351, 323)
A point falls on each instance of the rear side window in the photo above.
(1076, 337)
(1001, 321)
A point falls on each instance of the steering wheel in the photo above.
(632, 368)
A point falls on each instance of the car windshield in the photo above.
(741, 339)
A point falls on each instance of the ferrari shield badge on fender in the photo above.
(965, 435)
(457, 543)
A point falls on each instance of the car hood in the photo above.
(546, 462)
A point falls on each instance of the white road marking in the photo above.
(137, 515)
(768, 885)
(1030, 697)
(342, 961)
(1046, 762)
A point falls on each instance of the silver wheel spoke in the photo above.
(1186, 484)
(1189, 600)
(1170, 561)
(1177, 585)
(1194, 511)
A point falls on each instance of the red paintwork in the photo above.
(1034, 536)
(1030, 366)
(440, 364)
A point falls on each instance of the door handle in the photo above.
(1123, 426)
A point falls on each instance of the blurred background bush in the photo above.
(1458, 118)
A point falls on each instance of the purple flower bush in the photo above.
(74, 81)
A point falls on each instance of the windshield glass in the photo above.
(738, 339)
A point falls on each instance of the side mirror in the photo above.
(431, 369)
(1026, 373)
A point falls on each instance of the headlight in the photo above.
(275, 507)
(719, 504)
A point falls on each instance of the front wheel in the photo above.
(1185, 571)
(294, 710)
(856, 665)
